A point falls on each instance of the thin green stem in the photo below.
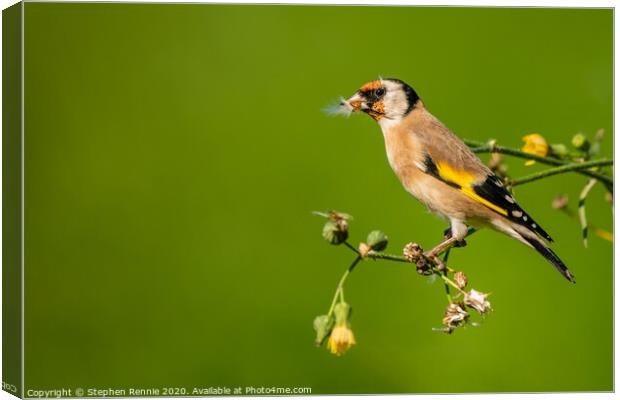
(478, 147)
(339, 288)
(602, 233)
(376, 255)
(451, 283)
(445, 273)
(350, 246)
(560, 170)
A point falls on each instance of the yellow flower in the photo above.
(341, 339)
(535, 144)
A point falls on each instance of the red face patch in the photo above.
(371, 86)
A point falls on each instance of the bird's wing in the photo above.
(454, 164)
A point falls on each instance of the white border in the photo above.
(478, 3)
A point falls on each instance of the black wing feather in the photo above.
(494, 191)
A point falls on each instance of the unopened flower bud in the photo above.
(323, 326)
(336, 232)
(460, 279)
(559, 149)
(502, 170)
(478, 301)
(595, 147)
(377, 240)
(560, 202)
(580, 142)
(495, 161)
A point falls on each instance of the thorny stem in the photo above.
(560, 170)
(478, 147)
(339, 288)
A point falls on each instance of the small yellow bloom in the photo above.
(535, 144)
(341, 339)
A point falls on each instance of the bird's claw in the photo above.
(447, 234)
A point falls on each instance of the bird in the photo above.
(436, 167)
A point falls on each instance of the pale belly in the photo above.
(442, 200)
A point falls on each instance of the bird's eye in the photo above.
(380, 92)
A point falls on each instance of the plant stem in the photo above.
(478, 147)
(602, 233)
(445, 273)
(560, 170)
(351, 247)
(375, 255)
(451, 283)
(339, 288)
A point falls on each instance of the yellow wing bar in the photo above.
(465, 181)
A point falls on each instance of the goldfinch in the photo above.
(438, 169)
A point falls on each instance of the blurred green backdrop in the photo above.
(174, 154)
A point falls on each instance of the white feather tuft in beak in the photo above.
(347, 106)
(342, 108)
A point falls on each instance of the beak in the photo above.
(356, 103)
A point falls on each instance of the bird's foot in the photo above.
(447, 234)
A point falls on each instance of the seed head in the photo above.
(478, 301)
(412, 252)
(460, 279)
(454, 317)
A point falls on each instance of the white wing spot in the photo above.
(525, 217)
(517, 213)
(533, 225)
(509, 199)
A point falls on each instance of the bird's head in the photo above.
(383, 99)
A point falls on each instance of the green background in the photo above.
(174, 154)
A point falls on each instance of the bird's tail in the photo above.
(540, 246)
